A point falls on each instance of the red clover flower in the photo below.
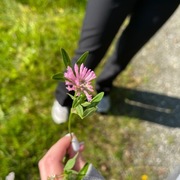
(79, 80)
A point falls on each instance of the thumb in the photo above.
(75, 148)
(80, 162)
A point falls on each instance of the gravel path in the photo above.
(158, 67)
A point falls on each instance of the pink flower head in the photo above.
(79, 80)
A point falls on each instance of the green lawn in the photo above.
(31, 35)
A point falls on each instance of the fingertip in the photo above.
(81, 146)
(69, 135)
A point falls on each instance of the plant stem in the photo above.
(69, 123)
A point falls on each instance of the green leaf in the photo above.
(82, 172)
(94, 102)
(85, 104)
(70, 163)
(70, 175)
(59, 76)
(78, 100)
(82, 58)
(66, 59)
(70, 172)
(98, 97)
(79, 111)
(72, 97)
(89, 111)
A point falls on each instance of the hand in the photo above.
(52, 162)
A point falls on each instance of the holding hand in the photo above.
(51, 166)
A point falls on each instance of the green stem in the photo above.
(69, 123)
(69, 130)
(70, 118)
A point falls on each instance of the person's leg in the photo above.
(147, 17)
(99, 29)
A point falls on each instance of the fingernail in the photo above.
(75, 144)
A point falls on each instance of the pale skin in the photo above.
(52, 162)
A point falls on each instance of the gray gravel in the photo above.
(158, 68)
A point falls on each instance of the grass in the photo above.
(31, 35)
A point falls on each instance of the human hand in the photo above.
(51, 165)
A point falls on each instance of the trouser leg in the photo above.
(146, 19)
(99, 29)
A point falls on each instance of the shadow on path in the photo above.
(153, 107)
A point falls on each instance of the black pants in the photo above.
(101, 23)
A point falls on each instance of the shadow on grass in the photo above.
(148, 106)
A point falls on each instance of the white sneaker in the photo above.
(59, 113)
(104, 105)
